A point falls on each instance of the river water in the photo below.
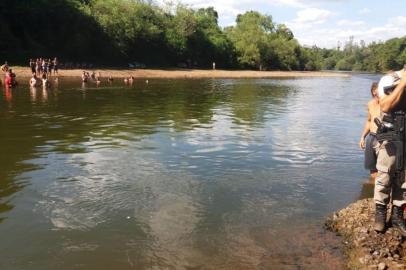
(179, 174)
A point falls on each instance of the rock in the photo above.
(364, 230)
(398, 266)
(373, 250)
(368, 258)
(382, 266)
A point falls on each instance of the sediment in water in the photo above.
(365, 248)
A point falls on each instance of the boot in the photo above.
(380, 217)
(397, 220)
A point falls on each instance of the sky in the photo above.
(323, 23)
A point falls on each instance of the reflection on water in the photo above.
(176, 174)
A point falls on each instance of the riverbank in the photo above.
(365, 248)
(186, 73)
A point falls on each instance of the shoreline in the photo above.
(363, 247)
(184, 73)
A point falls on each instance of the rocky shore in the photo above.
(365, 248)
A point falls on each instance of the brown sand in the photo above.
(186, 73)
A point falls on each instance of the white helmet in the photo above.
(388, 83)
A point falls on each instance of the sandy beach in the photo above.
(186, 73)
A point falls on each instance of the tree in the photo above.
(250, 36)
(283, 31)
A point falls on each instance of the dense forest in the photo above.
(116, 32)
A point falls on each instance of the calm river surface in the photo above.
(179, 174)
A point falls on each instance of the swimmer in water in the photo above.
(45, 82)
(10, 79)
(85, 77)
(131, 80)
(34, 80)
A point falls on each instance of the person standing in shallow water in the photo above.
(32, 66)
(55, 64)
(368, 141)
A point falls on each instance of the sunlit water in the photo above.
(179, 174)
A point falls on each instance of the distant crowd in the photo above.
(42, 69)
(42, 66)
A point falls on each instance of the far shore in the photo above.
(184, 73)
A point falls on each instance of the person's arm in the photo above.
(365, 131)
(388, 102)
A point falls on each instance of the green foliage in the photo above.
(51, 28)
(122, 31)
(283, 31)
(311, 59)
(181, 28)
(376, 57)
(249, 37)
(259, 42)
(283, 53)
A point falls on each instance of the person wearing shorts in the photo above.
(32, 66)
(55, 65)
(368, 141)
(38, 67)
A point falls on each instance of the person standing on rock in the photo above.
(368, 141)
(389, 182)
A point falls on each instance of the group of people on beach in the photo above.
(42, 66)
(42, 69)
(383, 139)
